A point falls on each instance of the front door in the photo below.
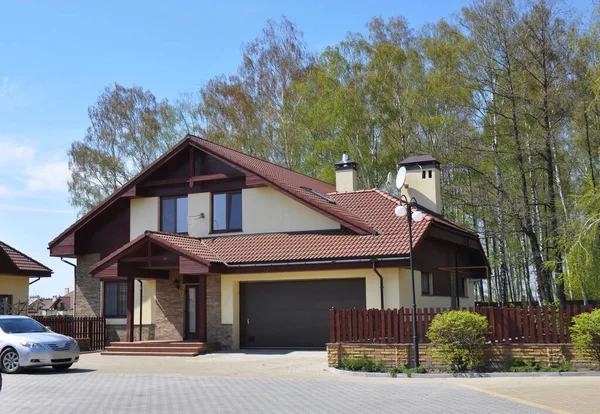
(192, 312)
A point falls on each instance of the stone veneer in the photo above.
(401, 354)
(87, 288)
(215, 331)
(118, 333)
(170, 313)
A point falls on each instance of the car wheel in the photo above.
(9, 361)
(62, 367)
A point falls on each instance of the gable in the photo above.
(198, 166)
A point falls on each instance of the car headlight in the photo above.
(32, 345)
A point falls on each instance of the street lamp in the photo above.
(401, 211)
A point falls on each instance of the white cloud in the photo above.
(11, 152)
(50, 176)
(4, 191)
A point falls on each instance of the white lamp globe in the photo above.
(417, 215)
(400, 211)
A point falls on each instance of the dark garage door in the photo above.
(294, 314)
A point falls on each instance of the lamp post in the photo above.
(407, 211)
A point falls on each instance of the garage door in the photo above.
(294, 314)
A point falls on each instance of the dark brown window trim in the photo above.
(119, 315)
(227, 205)
(175, 218)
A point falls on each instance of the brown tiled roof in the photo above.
(23, 263)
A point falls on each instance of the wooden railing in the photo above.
(92, 328)
(542, 324)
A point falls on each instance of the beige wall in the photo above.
(264, 210)
(144, 215)
(17, 286)
(427, 191)
(148, 307)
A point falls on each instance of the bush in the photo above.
(531, 365)
(459, 339)
(405, 370)
(585, 334)
(363, 364)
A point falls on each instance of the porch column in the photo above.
(130, 306)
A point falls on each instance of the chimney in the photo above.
(423, 181)
(346, 176)
(66, 291)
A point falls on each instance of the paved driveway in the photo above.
(295, 382)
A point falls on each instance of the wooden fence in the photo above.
(527, 324)
(92, 328)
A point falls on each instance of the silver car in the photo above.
(25, 343)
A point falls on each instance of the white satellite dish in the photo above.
(400, 178)
(389, 179)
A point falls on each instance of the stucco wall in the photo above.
(427, 191)
(17, 286)
(264, 210)
(144, 215)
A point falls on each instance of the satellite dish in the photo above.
(400, 178)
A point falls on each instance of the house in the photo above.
(210, 244)
(16, 269)
(57, 305)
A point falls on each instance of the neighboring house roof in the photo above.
(375, 207)
(15, 262)
(45, 304)
(280, 178)
(66, 300)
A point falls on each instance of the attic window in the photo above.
(324, 197)
(429, 173)
(423, 174)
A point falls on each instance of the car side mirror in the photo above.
(47, 327)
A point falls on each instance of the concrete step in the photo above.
(153, 344)
(141, 353)
(114, 348)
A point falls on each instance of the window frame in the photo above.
(429, 284)
(175, 215)
(118, 314)
(227, 212)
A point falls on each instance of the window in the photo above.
(425, 284)
(423, 174)
(227, 212)
(429, 173)
(174, 215)
(115, 299)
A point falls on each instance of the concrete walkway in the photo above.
(274, 381)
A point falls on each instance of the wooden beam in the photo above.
(191, 166)
(160, 183)
(190, 267)
(131, 192)
(202, 309)
(163, 260)
(66, 247)
(132, 270)
(130, 301)
(109, 271)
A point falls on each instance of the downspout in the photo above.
(36, 280)
(380, 281)
(141, 303)
(74, 282)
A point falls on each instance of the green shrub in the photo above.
(363, 364)
(459, 339)
(401, 369)
(531, 365)
(585, 334)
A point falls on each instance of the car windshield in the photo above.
(20, 325)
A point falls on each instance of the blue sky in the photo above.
(56, 57)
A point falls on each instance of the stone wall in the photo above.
(215, 331)
(401, 354)
(87, 288)
(170, 310)
(118, 333)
